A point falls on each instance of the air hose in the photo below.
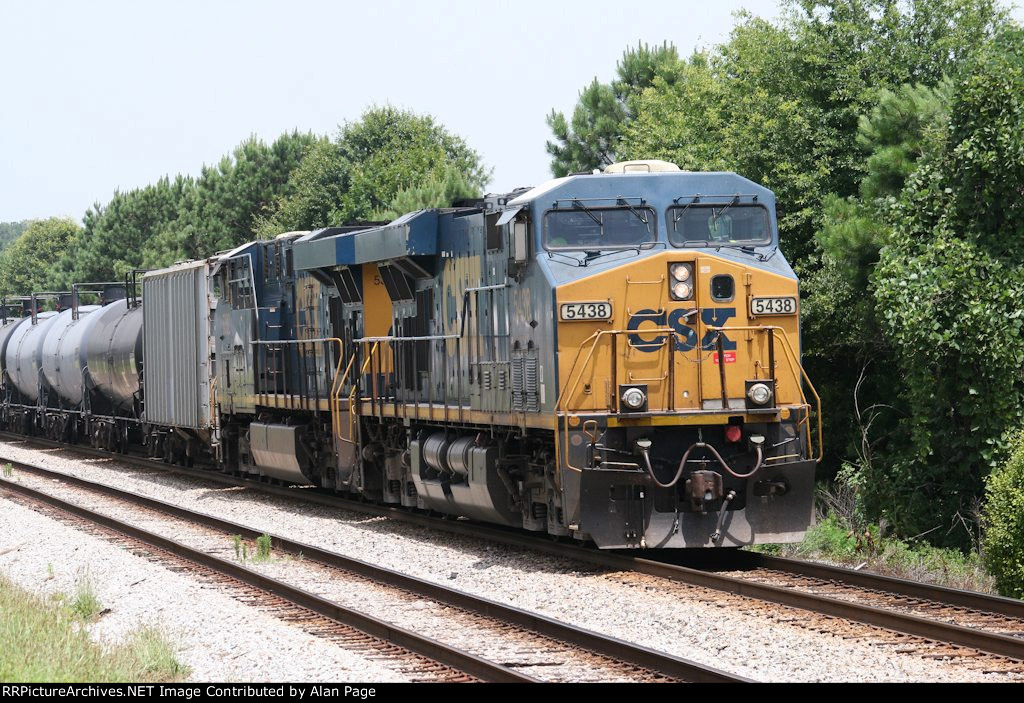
(717, 537)
(686, 456)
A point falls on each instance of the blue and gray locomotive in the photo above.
(613, 357)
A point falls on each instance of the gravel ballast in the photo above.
(750, 638)
(216, 636)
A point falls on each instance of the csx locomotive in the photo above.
(610, 356)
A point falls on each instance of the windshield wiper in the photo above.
(678, 213)
(590, 213)
(714, 217)
(573, 259)
(639, 215)
(595, 255)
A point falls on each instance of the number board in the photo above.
(773, 306)
(598, 310)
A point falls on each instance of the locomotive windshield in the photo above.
(598, 228)
(719, 225)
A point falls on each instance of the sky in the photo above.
(101, 96)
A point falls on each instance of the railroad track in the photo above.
(548, 642)
(982, 610)
(420, 657)
(961, 619)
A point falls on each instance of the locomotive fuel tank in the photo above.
(63, 355)
(24, 354)
(113, 352)
(459, 477)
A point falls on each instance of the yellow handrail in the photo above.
(566, 393)
(332, 398)
(576, 372)
(794, 364)
(355, 387)
(597, 337)
(336, 396)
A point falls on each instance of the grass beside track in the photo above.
(835, 541)
(47, 641)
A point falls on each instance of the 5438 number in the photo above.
(773, 306)
(585, 311)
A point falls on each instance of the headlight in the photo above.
(681, 272)
(682, 291)
(680, 282)
(759, 394)
(634, 398)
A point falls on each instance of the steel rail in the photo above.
(432, 649)
(943, 595)
(610, 647)
(993, 643)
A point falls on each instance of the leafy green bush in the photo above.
(952, 311)
(948, 291)
(830, 539)
(1003, 538)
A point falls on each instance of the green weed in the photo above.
(263, 545)
(836, 541)
(155, 654)
(86, 604)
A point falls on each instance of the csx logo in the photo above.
(686, 336)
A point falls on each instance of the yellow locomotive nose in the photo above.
(682, 333)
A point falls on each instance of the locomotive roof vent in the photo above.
(642, 166)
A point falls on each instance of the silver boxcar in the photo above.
(176, 333)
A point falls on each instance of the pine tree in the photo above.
(592, 138)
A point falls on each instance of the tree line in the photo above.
(389, 160)
(9, 231)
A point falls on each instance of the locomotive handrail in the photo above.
(576, 372)
(355, 389)
(392, 338)
(334, 399)
(596, 336)
(794, 364)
